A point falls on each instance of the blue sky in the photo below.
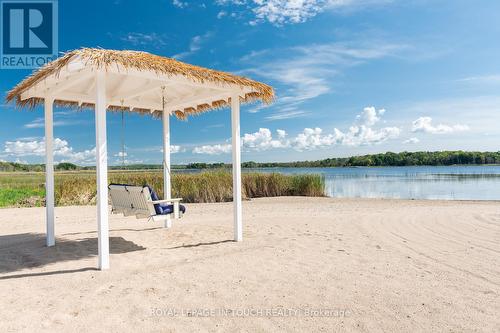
(351, 76)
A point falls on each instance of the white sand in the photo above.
(393, 265)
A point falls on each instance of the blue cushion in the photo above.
(163, 209)
(169, 209)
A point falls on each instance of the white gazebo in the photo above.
(136, 82)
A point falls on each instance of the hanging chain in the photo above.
(165, 166)
(123, 136)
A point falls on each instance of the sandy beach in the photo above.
(306, 264)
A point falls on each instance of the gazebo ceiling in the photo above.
(135, 81)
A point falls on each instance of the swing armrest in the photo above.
(173, 200)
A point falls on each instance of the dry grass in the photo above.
(79, 188)
(142, 61)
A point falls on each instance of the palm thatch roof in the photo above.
(119, 63)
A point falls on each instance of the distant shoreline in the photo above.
(388, 159)
(160, 168)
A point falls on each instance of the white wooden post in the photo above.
(49, 170)
(102, 171)
(235, 125)
(167, 187)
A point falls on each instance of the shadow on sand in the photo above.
(111, 230)
(200, 244)
(28, 250)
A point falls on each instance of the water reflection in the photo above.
(450, 183)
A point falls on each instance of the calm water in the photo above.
(448, 182)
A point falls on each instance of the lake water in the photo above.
(427, 182)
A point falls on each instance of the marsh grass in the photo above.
(79, 188)
(21, 197)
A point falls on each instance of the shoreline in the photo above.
(347, 199)
(116, 168)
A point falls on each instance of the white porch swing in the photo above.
(141, 201)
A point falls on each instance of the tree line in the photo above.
(394, 159)
(382, 159)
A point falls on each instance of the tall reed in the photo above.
(210, 186)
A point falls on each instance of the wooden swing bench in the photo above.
(143, 202)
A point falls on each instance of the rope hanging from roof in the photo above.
(123, 136)
(165, 166)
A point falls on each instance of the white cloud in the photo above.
(359, 134)
(141, 39)
(492, 78)
(370, 116)
(281, 133)
(127, 161)
(363, 135)
(424, 124)
(312, 138)
(306, 72)
(83, 157)
(263, 140)
(26, 148)
(66, 153)
(179, 4)
(174, 149)
(36, 124)
(194, 46)
(121, 154)
(411, 141)
(229, 2)
(287, 114)
(281, 12)
(62, 118)
(156, 149)
(40, 123)
(213, 149)
(215, 126)
(257, 108)
(481, 114)
(126, 158)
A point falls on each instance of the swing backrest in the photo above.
(131, 200)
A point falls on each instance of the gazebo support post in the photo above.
(102, 171)
(235, 126)
(49, 169)
(167, 187)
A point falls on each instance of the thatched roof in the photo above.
(119, 62)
